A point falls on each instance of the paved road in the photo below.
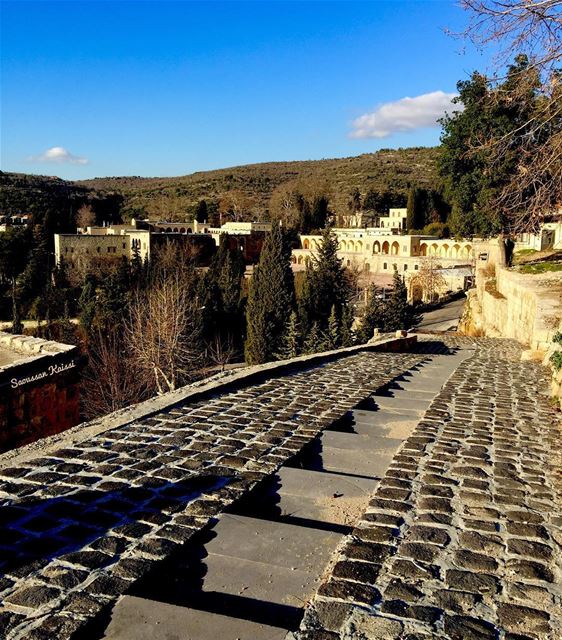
(443, 319)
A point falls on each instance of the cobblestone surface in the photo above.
(462, 539)
(79, 526)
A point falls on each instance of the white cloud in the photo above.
(58, 155)
(406, 114)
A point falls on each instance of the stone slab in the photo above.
(354, 461)
(366, 442)
(275, 543)
(139, 619)
(262, 581)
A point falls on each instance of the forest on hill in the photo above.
(245, 192)
(252, 189)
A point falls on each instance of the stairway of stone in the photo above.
(250, 576)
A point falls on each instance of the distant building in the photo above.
(396, 219)
(103, 243)
(549, 236)
(39, 389)
(377, 250)
(142, 237)
(22, 220)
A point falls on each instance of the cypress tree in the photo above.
(417, 208)
(201, 212)
(270, 299)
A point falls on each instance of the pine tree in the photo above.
(290, 345)
(325, 286)
(314, 342)
(374, 315)
(347, 334)
(333, 334)
(399, 314)
(87, 304)
(270, 299)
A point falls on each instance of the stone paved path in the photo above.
(78, 526)
(462, 539)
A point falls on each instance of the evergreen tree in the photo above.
(137, 267)
(347, 334)
(319, 213)
(325, 286)
(87, 304)
(473, 177)
(333, 334)
(416, 208)
(314, 342)
(398, 313)
(305, 216)
(220, 293)
(201, 212)
(270, 299)
(374, 315)
(371, 201)
(290, 345)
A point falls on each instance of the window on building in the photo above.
(385, 265)
(99, 249)
(405, 267)
(416, 267)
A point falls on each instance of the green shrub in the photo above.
(556, 360)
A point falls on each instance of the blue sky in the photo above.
(168, 88)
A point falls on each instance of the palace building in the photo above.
(377, 250)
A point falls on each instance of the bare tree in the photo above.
(237, 205)
(534, 28)
(111, 379)
(427, 282)
(221, 351)
(85, 216)
(163, 334)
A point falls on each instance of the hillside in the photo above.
(52, 201)
(175, 198)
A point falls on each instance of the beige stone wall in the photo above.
(525, 307)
